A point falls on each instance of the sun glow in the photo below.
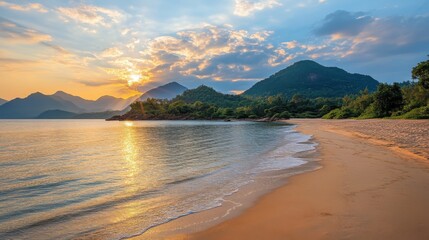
(129, 124)
(133, 79)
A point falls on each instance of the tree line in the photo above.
(270, 108)
(409, 100)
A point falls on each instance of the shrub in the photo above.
(417, 113)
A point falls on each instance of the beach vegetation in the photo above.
(421, 72)
(408, 100)
(205, 103)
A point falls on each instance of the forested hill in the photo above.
(312, 80)
(210, 96)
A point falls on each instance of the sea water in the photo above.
(66, 179)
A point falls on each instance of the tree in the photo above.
(243, 112)
(387, 99)
(179, 107)
(228, 112)
(421, 72)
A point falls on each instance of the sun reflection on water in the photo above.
(139, 175)
(128, 123)
(130, 154)
(131, 169)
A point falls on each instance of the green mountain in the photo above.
(210, 96)
(167, 91)
(312, 80)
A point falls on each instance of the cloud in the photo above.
(244, 8)
(101, 83)
(43, 48)
(344, 23)
(214, 52)
(26, 7)
(91, 15)
(208, 53)
(10, 64)
(125, 31)
(58, 49)
(113, 52)
(358, 36)
(307, 3)
(237, 92)
(291, 45)
(16, 33)
(10, 67)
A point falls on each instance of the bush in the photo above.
(284, 115)
(339, 113)
(369, 113)
(332, 114)
(417, 113)
(306, 115)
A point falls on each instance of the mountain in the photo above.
(38, 103)
(102, 104)
(56, 114)
(59, 114)
(114, 104)
(312, 80)
(34, 104)
(209, 95)
(167, 91)
(2, 101)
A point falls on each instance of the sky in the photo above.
(121, 48)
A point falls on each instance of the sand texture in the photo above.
(407, 135)
(374, 184)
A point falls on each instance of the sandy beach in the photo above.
(374, 184)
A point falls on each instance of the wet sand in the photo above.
(374, 184)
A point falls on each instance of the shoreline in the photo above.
(364, 190)
(238, 201)
(114, 118)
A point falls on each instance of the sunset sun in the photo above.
(133, 79)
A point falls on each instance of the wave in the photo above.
(282, 157)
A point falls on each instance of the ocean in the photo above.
(92, 179)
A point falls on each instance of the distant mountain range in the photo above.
(2, 101)
(312, 80)
(62, 105)
(38, 103)
(306, 78)
(33, 105)
(104, 103)
(167, 91)
(60, 114)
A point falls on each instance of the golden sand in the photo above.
(364, 190)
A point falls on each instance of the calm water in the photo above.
(64, 179)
